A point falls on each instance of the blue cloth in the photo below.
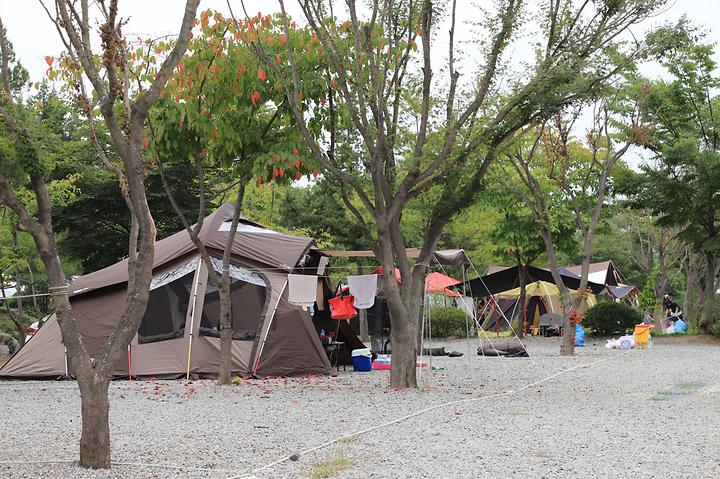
(680, 326)
(579, 336)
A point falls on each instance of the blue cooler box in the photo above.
(362, 359)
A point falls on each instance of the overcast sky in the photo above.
(34, 36)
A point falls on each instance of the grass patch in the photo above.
(677, 392)
(330, 467)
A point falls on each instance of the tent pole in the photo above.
(267, 331)
(192, 317)
(67, 374)
(129, 363)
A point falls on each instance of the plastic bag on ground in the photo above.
(626, 342)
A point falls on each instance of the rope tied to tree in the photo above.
(58, 290)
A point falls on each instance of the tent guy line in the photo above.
(503, 314)
(511, 392)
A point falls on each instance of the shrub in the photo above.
(609, 317)
(448, 322)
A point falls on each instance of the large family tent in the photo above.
(179, 334)
(541, 298)
(542, 295)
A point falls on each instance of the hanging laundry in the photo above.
(302, 289)
(364, 289)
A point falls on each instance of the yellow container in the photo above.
(642, 334)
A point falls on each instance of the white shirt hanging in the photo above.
(364, 289)
(302, 289)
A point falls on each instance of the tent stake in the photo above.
(267, 331)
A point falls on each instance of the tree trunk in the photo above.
(567, 345)
(404, 353)
(95, 439)
(404, 316)
(694, 294)
(522, 298)
(706, 326)
(226, 332)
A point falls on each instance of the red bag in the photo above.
(342, 307)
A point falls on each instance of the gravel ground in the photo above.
(646, 413)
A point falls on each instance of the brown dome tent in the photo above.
(179, 333)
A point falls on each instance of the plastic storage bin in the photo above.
(362, 360)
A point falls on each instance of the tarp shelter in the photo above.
(499, 280)
(542, 294)
(184, 309)
(445, 257)
(621, 292)
(604, 272)
(435, 282)
(438, 283)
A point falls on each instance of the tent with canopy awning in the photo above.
(436, 283)
(505, 279)
(541, 298)
(179, 334)
(501, 288)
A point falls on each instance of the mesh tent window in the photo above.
(247, 302)
(167, 305)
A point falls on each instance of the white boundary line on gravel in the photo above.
(295, 456)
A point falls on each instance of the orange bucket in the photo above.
(642, 333)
